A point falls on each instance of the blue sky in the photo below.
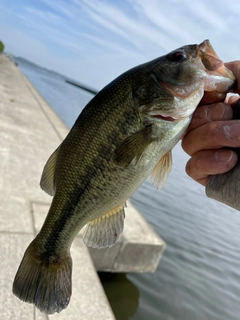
(93, 41)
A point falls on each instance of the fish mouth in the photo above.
(164, 118)
(175, 116)
(215, 67)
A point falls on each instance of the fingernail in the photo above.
(216, 113)
(224, 155)
(232, 131)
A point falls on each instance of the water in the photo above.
(66, 100)
(198, 277)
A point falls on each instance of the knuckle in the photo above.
(212, 129)
(197, 163)
(194, 166)
(189, 168)
(186, 143)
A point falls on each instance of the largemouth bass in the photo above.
(123, 135)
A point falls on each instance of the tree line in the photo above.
(1, 46)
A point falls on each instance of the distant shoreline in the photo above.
(75, 83)
(81, 86)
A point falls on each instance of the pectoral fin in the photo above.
(104, 231)
(47, 179)
(131, 149)
(161, 171)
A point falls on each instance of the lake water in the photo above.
(198, 277)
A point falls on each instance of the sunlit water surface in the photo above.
(198, 277)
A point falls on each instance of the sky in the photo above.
(93, 41)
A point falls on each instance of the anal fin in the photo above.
(104, 231)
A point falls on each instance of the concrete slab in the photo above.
(26, 140)
(88, 300)
(30, 131)
(11, 251)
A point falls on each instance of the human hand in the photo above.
(212, 129)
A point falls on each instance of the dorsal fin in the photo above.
(161, 171)
(105, 230)
(47, 179)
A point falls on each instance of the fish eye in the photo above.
(178, 56)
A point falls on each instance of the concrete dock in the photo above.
(29, 132)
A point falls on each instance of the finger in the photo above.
(210, 162)
(234, 66)
(207, 113)
(232, 100)
(212, 135)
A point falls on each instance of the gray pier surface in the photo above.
(29, 132)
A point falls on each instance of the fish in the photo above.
(123, 135)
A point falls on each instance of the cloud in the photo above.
(100, 39)
(123, 25)
(60, 8)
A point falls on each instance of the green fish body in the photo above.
(125, 134)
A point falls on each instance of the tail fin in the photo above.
(44, 280)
